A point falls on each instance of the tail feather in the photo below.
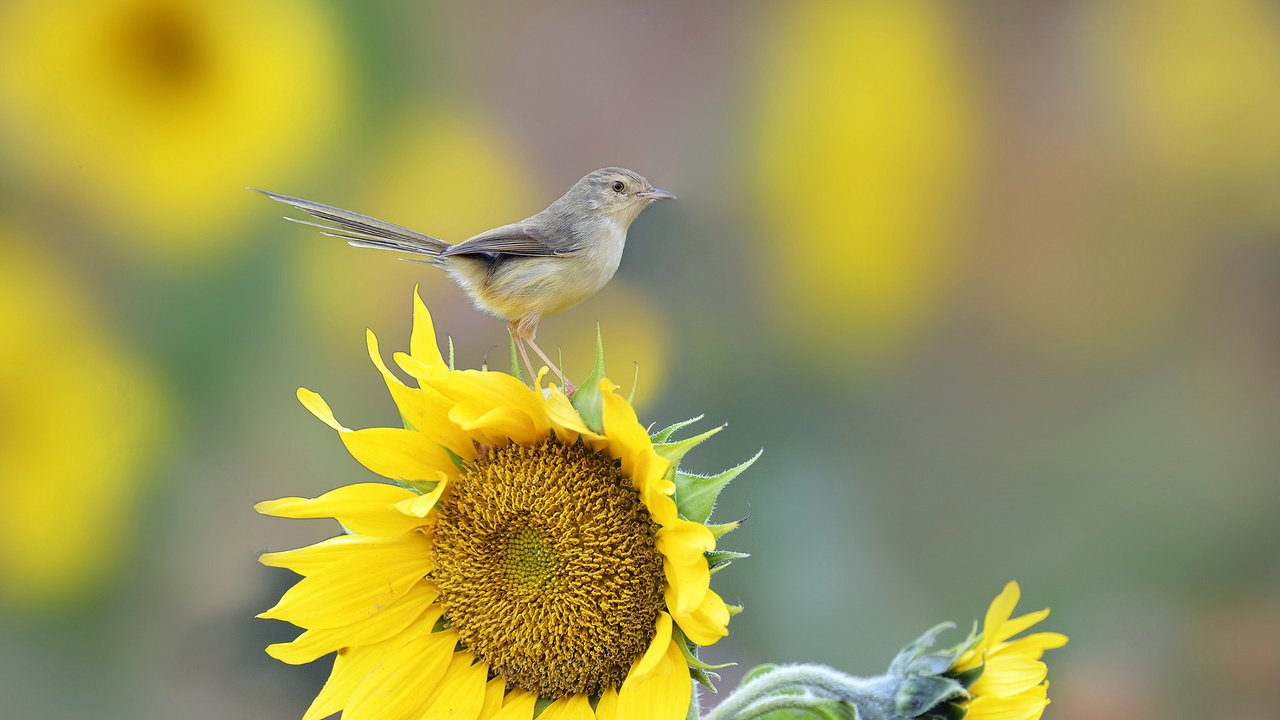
(362, 230)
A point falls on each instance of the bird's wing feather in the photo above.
(361, 229)
(516, 239)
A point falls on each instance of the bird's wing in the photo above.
(362, 230)
(515, 239)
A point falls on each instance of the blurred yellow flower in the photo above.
(1012, 685)
(156, 113)
(77, 411)
(1195, 84)
(523, 556)
(450, 174)
(863, 155)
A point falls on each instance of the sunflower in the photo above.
(1012, 683)
(531, 557)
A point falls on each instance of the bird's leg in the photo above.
(524, 354)
(527, 328)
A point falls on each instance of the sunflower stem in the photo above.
(694, 710)
(807, 687)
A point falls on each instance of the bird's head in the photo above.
(615, 192)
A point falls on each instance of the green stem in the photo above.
(873, 697)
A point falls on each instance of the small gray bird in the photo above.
(524, 271)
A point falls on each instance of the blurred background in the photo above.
(995, 285)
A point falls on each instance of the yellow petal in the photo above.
(657, 648)
(397, 688)
(607, 708)
(664, 694)
(421, 506)
(682, 545)
(565, 420)
(314, 643)
(364, 508)
(1016, 625)
(306, 560)
(352, 665)
(708, 622)
(999, 611)
(1027, 706)
(496, 404)
(461, 692)
(354, 588)
(399, 454)
(574, 707)
(396, 453)
(318, 407)
(494, 691)
(422, 341)
(628, 440)
(1034, 644)
(518, 705)
(1009, 675)
(349, 669)
(495, 426)
(426, 412)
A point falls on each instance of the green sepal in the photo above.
(587, 400)
(908, 660)
(458, 462)
(697, 669)
(451, 366)
(665, 433)
(421, 487)
(919, 694)
(719, 559)
(946, 711)
(970, 676)
(723, 529)
(516, 371)
(690, 653)
(734, 609)
(696, 495)
(676, 450)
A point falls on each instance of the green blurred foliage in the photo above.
(996, 286)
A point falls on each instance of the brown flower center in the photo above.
(547, 567)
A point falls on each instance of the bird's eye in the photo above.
(619, 186)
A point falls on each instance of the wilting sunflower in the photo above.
(531, 557)
(1012, 683)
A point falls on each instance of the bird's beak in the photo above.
(656, 194)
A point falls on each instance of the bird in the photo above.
(525, 271)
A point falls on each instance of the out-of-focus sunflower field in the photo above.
(995, 285)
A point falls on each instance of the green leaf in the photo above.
(675, 451)
(587, 400)
(665, 433)
(696, 495)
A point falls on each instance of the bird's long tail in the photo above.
(364, 231)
